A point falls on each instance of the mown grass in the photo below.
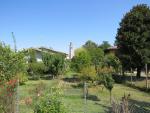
(97, 102)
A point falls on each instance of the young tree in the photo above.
(88, 73)
(133, 38)
(109, 83)
(81, 59)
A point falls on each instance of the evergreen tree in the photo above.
(133, 38)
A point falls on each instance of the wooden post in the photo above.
(146, 73)
(85, 97)
(131, 77)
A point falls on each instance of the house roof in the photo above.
(112, 48)
(44, 49)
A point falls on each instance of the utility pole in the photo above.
(17, 95)
(70, 50)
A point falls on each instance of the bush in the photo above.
(8, 96)
(50, 103)
(55, 63)
(36, 69)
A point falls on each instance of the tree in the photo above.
(133, 38)
(88, 73)
(55, 63)
(95, 53)
(110, 60)
(11, 63)
(104, 45)
(81, 59)
(109, 83)
(90, 44)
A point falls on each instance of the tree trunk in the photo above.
(138, 75)
(110, 96)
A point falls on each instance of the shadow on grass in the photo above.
(71, 80)
(79, 85)
(92, 98)
(126, 81)
(140, 106)
(106, 108)
(144, 89)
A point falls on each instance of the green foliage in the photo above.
(55, 63)
(81, 59)
(108, 82)
(50, 103)
(36, 69)
(88, 73)
(133, 38)
(11, 63)
(23, 77)
(95, 53)
(90, 44)
(31, 54)
(111, 60)
(104, 45)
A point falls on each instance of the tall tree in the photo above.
(133, 38)
(95, 53)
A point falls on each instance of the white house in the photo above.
(39, 51)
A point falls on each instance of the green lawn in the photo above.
(98, 100)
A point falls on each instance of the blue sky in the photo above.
(55, 23)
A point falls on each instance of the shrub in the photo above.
(36, 69)
(7, 96)
(55, 63)
(50, 103)
(11, 64)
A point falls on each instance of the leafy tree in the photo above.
(90, 44)
(11, 63)
(104, 45)
(55, 63)
(81, 59)
(109, 83)
(95, 53)
(133, 38)
(110, 60)
(88, 73)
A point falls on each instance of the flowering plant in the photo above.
(7, 96)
